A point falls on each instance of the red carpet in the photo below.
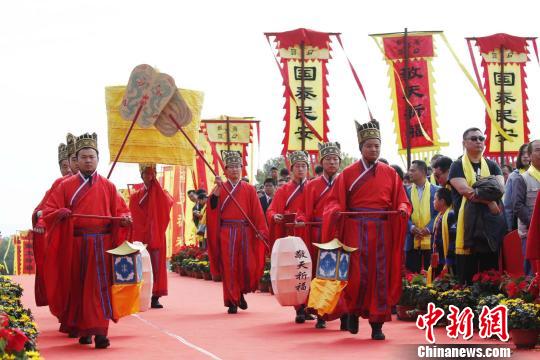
(195, 325)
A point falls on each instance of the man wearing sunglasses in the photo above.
(463, 174)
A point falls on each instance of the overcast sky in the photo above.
(57, 57)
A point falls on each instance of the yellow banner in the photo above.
(149, 145)
(313, 104)
(512, 111)
(238, 133)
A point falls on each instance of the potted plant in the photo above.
(206, 270)
(523, 322)
(486, 283)
(445, 282)
(411, 287)
(264, 282)
(460, 298)
(524, 287)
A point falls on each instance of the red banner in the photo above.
(412, 89)
(506, 91)
(304, 56)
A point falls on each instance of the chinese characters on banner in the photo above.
(302, 268)
(506, 92)
(173, 179)
(309, 99)
(23, 256)
(491, 322)
(230, 133)
(424, 139)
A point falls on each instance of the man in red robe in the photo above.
(375, 268)
(287, 203)
(80, 229)
(150, 209)
(38, 225)
(235, 250)
(316, 195)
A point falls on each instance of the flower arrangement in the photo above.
(18, 332)
(487, 283)
(522, 315)
(445, 282)
(461, 298)
(524, 287)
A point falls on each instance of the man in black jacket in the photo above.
(269, 189)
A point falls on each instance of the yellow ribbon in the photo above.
(421, 214)
(534, 172)
(489, 110)
(470, 176)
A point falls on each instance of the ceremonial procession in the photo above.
(374, 195)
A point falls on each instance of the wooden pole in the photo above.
(141, 105)
(503, 100)
(257, 232)
(302, 95)
(408, 107)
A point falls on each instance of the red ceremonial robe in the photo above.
(40, 246)
(532, 252)
(150, 210)
(316, 195)
(375, 268)
(288, 199)
(77, 268)
(234, 251)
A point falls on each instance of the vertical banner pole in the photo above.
(302, 97)
(503, 100)
(409, 110)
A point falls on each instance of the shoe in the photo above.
(243, 303)
(344, 319)
(321, 324)
(310, 317)
(376, 331)
(155, 303)
(102, 342)
(300, 315)
(233, 309)
(85, 340)
(352, 324)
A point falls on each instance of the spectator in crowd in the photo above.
(319, 170)
(406, 180)
(268, 194)
(522, 164)
(444, 233)
(399, 171)
(441, 169)
(274, 175)
(524, 191)
(418, 241)
(285, 174)
(432, 178)
(506, 170)
(201, 227)
(281, 182)
(464, 172)
(197, 208)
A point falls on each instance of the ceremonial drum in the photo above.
(290, 271)
(148, 279)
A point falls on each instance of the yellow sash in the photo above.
(432, 179)
(421, 215)
(446, 242)
(470, 176)
(534, 172)
(521, 171)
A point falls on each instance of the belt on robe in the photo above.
(80, 231)
(370, 216)
(234, 222)
(316, 219)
